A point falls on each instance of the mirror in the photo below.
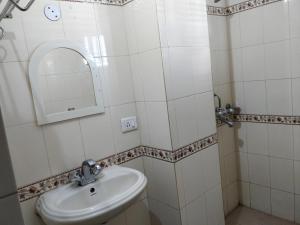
(65, 83)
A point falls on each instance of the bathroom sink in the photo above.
(93, 204)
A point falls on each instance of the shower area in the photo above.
(214, 86)
(255, 53)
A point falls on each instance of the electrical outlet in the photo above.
(128, 124)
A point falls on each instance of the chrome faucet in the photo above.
(87, 174)
(225, 114)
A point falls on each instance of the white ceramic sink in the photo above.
(93, 204)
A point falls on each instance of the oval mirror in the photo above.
(65, 82)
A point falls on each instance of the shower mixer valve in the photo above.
(225, 114)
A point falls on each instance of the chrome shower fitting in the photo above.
(225, 114)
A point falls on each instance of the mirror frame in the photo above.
(35, 60)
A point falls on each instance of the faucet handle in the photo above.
(74, 176)
(96, 170)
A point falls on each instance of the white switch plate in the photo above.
(128, 124)
(52, 12)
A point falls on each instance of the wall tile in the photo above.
(64, 146)
(283, 205)
(233, 196)
(190, 185)
(148, 73)
(235, 31)
(129, 14)
(181, 32)
(218, 33)
(237, 66)
(260, 198)
(220, 67)
(294, 18)
(257, 138)
(279, 97)
(97, 136)
(276, 21)
(192, 123)
(118, 80)
(259, 170)
(241, 137)
(295, 57)
(111, 30)
(280, 141)
(251, 27)
(143, 123)
(254, 63)
(163, 214)
(27, 147)
(17, 105)
(238, 96)
(194, 213)
(157, 116)
(146, 25)
(296, 133)
(185, 121)
(295, 93)
(297, 176)
(85, 32)
(138, 214)
(255, 97)
(244, 193)
(187, 71)
(231, 168)
(282, 174)
(214, 206)
(206, 117)
(226, 140)
(243, 167)
(162, 181)
(277, 58)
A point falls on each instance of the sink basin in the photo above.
(115, 190)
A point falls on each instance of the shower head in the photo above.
(216, 1)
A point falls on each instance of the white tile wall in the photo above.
(280, 141)
(64, 146)
(259, 169)
(161, 182)
(282, 174)
(260, 198)
(283, 204)
(268, 39)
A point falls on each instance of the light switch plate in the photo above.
(128, 124)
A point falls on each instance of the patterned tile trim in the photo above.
(271, 119)
(237, 8)
(104, 2)
(33, 190)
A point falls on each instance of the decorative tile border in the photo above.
(104, 2)
(211, 10)
(237, 8)
(271, 119)
(33, 190)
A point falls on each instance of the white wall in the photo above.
(222, 86)
(265, 53)
(39, 152)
